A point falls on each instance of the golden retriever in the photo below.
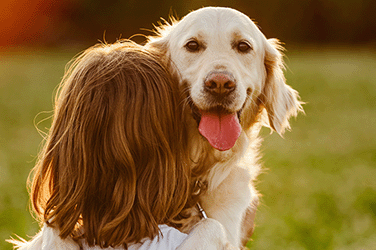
(233, 80)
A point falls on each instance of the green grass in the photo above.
(27, 81)
(319, 191)
(319, 186)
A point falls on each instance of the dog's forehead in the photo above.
(211, 21)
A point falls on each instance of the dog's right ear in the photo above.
(158, 44)
(160, 41)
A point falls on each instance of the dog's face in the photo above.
(219, 54)
(231, 71)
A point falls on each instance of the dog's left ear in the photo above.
(280, 100)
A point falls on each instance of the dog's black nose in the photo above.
(220, 83)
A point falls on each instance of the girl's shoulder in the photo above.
(169, 238)
(47, 239)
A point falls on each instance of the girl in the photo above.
(112, 172)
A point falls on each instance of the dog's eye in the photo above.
(192, 46)
(244, 47)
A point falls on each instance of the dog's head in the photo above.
(230, 71)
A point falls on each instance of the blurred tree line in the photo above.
(51, 23)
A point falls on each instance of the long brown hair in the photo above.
(112, 167)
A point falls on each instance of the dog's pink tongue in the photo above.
(220, 129)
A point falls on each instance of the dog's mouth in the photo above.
(218, 125)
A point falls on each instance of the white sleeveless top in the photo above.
(169, 238)
(48, 239)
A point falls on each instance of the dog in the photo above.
(233, 82)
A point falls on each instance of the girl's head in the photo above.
(112, 168)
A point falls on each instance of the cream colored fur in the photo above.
(261, 95)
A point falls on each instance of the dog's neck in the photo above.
(211, 165)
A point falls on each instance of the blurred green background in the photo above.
(319, 183)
